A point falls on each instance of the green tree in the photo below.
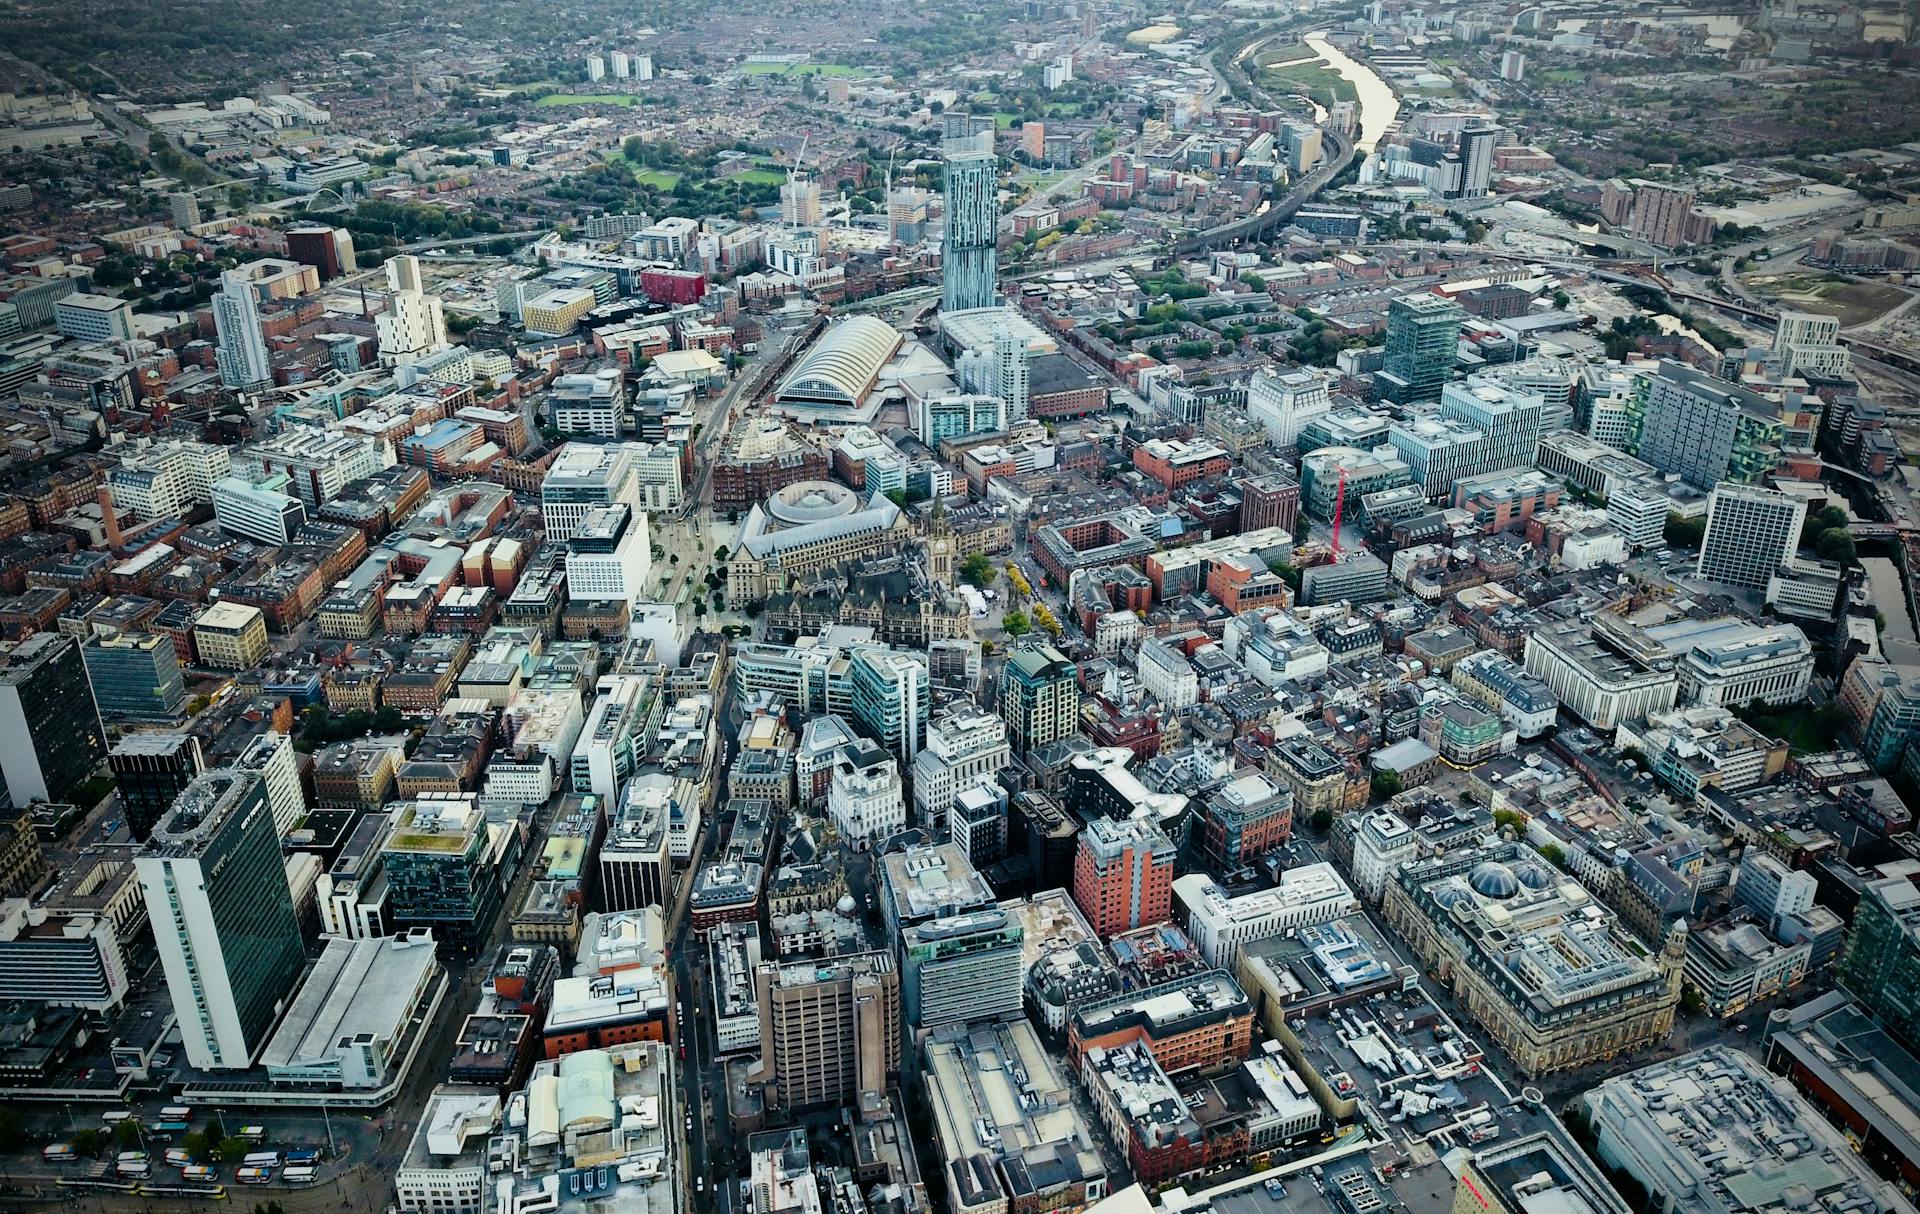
(1684, 532)
(977, 570)
(194, 1143)
(1836, 545)
(1016, 623)
(1322, 820)
(1386, 785)
(1827, 519)
(1555, 855)
(85, 1143)
(232, 1151)
(126, 1134)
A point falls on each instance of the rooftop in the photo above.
(1715, 1133)
(932, 880)
(358, 990)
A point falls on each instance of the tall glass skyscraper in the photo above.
(889, 700)
(1423, 339)
(242, 350)
(50, 736)
(216, 892)
(969, 262)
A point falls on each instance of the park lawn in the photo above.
(1003, 120)
(1563, 75)
(659, 179)
(762, 176)
(799, 69)
(557, 99)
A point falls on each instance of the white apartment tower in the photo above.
(1010, 365)
(800, 201)
(1809, 343)
(413, 325)
(242, 350)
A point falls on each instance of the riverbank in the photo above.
(1378, 105)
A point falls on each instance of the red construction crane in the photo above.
(1339, 507)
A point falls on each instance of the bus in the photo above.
(113, 1117)
(253, 1175)
(253, 1134)
(167, 1131)
(58, 1152)
(299, 1174)
(306, 1155)
(177, 1112)
(196, 1172)
(130, 1157)
(262, 1159)
(134, 1169)
(177, 1158)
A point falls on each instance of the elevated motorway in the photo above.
(1252, 227)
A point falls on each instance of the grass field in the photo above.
(557, 99)
(1315, 79)
(1288, 54)
(800, 69)
(1855, 303)
(761, 176)
(659, 179)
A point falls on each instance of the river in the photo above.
(1378, 105)
(1890, 598)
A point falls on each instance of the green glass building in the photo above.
(1881, 966)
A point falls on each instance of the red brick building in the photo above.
(1174, 463)
(665, 284)
(1122, 875)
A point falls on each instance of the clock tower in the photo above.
(939, 546)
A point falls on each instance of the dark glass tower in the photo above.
(216, 892)
(50, 737)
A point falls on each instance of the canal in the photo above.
(1897, 640)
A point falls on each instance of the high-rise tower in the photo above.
(242, 350)
(223, 922)
(969, 261)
